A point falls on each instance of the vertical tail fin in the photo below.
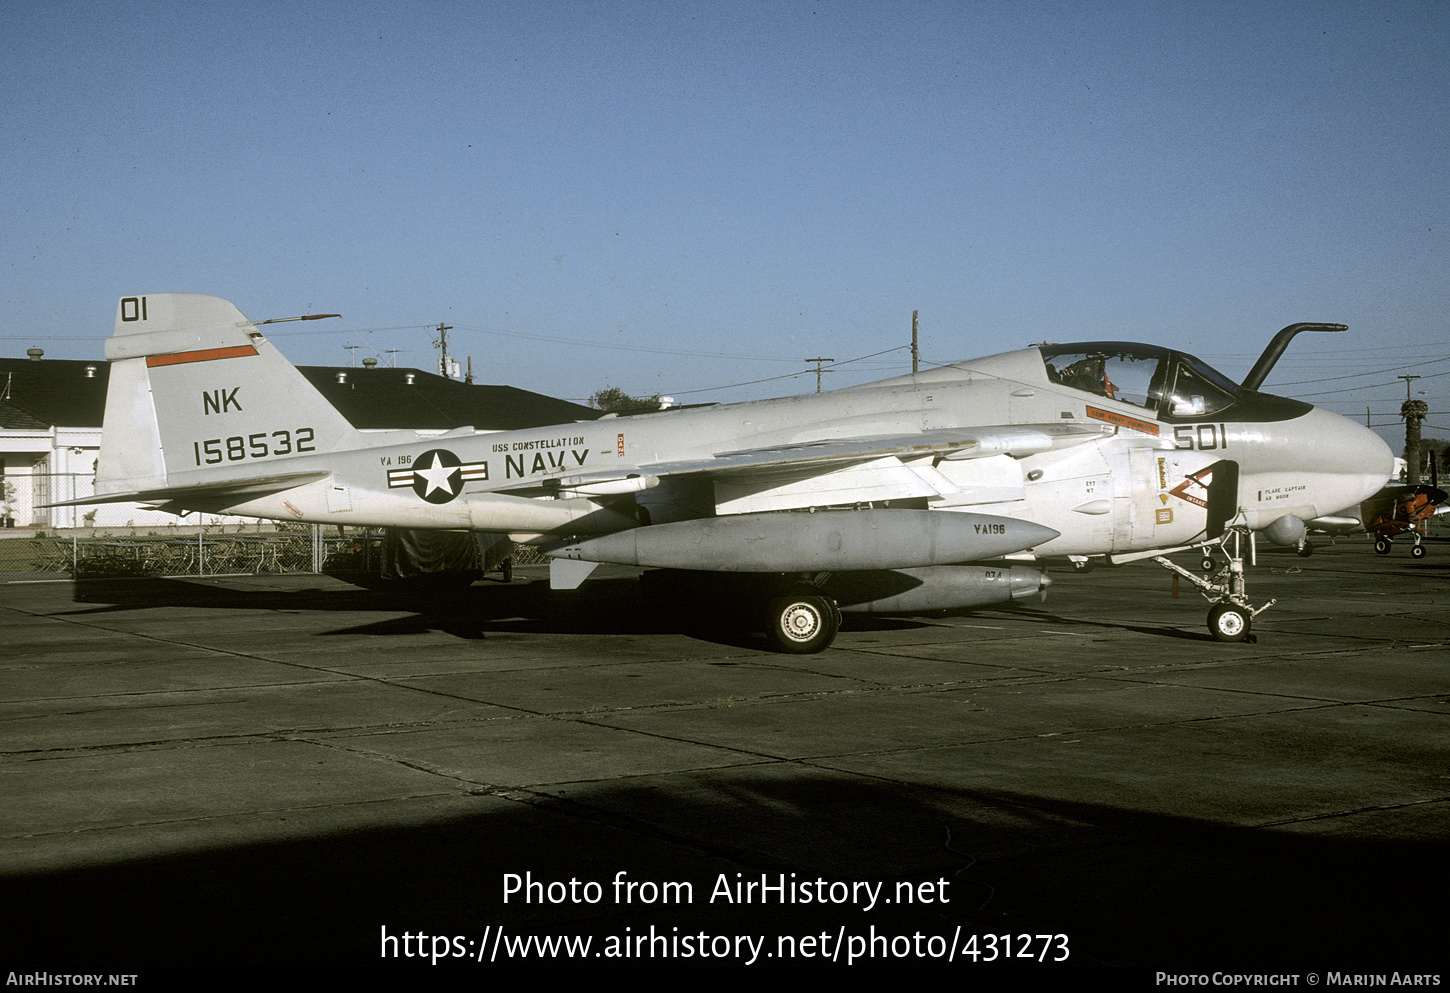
(196, 390)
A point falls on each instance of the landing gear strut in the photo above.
(1231, 616)
(1383, 543)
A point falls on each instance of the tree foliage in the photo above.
(613, 400)
(1413, 411)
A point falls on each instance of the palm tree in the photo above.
(1413, 411)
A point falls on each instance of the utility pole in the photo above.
(915, 354)
(818, 370)
(442, 345)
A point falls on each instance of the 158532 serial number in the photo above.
(253, 446)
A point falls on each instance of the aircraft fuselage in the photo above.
(1116, 477)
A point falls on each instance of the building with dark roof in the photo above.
(390, 399)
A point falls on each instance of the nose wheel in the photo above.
(1229, 622)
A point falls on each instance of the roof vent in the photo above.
(408, 379)
(342, 377)
(35, 353)
(90, 372)
(369, 363)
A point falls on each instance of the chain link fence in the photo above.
(195, 550)
(110, 540)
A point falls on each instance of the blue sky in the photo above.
(676, 197)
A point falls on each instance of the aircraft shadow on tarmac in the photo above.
(604, 606)
(1127, 887)
(466, 612)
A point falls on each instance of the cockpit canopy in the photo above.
(1171, 385)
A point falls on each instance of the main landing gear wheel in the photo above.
(1382, 546)
(1229, 622)
(1418, 551)
(802, 624)
(1305, 550)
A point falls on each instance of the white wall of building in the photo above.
(54, 464)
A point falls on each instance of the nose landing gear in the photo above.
(1231, 616)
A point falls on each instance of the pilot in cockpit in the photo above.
(1090, 374)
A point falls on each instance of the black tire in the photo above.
(1306, 550)
(1207, 564)
(1418, 550)
(802, 624)
(1382, 546)
(1229, 622)
(1084, 566)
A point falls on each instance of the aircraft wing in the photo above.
(1016, 440)
(831, 472)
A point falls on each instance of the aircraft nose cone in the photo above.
(1356, 458)
(1366, 451)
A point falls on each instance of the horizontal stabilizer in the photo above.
(211, 493)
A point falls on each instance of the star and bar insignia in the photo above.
(437, 475)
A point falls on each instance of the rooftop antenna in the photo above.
(392, 354)
(352, 355)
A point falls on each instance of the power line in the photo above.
(789, 375)
(621, 347)
(1369, 386)
(1367, 372)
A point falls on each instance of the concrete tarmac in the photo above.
(298, 770)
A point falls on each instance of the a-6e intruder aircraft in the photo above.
(948, 488)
